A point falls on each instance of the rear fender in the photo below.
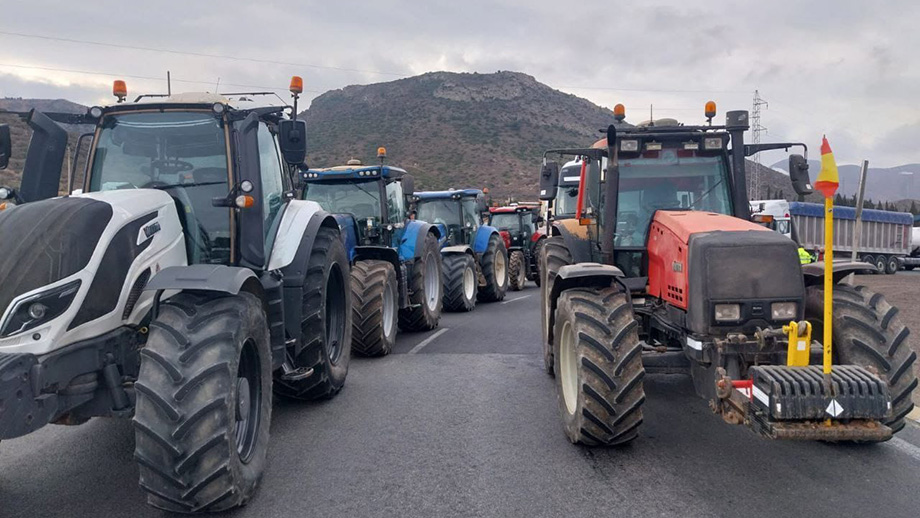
(814, 272)
(481, 241)
(581, 275)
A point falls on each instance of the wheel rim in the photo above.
(567, 367)
(389, 309)
(335, 315)
(248, 401)
(880, 264)
(499, 268)
(432, 284)
(469, 283)
(522, 275)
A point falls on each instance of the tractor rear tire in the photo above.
(893, 265)
(375, 305)
(494, 265)
(537, 273)
(598, 366)
(460, 284)
(204, 402)
(425, 287)
(554, 255)
(326, 327)
(868, 332)
(517, 270)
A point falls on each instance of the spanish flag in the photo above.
(827, 179)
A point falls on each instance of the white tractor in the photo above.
(180, 284)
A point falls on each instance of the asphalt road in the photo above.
(465, 424)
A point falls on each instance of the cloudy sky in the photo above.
(847, 68)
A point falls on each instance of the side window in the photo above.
(396, 202)
(272, 172)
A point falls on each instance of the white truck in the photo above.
(779, 210)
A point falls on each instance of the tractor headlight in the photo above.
(712, 143)
(629, 146)
(728, 312)
(39, 309)
(784, 310)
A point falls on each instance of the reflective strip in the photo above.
(761, 395)
(694, 344)
(571, 178)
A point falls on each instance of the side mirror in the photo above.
(292, 138)
(798, 173)
(549, 178)
(408, 184)
(6, 146)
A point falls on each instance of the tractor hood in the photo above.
(69, 263)
(699, 259)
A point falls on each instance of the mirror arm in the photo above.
(753, 149)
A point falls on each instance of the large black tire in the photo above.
(425, 287)
(517, 270)
(893, 265)
(868, 332)
(598, 366)
(536, 274)
(375, 307)
(460, 283)
(553, 256)
(326, 328)
(494, 269)
(881, 262)
(201, 431)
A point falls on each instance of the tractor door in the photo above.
(274, 187)
(395, 210)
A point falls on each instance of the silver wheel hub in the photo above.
(469, 283)
(568, 367)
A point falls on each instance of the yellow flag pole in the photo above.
(828, 282)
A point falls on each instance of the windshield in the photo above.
(667, 182)
(566, 201)
(506, 221)
(358, 198)
(181, 153)
(444, 211)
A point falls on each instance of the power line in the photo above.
(195, 54)
(653, 90)
(130, 76)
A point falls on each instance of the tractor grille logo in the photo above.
(152, 229)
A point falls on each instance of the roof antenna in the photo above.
(651, 116)
(168, 85)
(217, 86)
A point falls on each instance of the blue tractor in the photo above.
(475, 255)
(396, 267)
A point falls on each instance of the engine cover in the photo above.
(108, 241)
(699, 259)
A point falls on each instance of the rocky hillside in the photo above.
(453, 130)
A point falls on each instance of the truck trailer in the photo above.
(885, 238)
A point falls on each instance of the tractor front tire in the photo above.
(460, 283)
(494, 265)
(537, 274)
(517, 270)
(868, 332)
(425, 287)
(554, 255)
(598, 366)
(375, 306)
(326, 327)
(204, 401)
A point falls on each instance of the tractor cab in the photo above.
(375, 196)
(516, 222)
(459, 212)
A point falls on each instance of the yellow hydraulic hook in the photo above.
(799, 343)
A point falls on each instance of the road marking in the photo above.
(906, 447)
(515, 300)
(421, 345)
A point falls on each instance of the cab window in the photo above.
(272, 173)
(396, 202)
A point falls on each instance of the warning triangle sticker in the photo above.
(834, 408)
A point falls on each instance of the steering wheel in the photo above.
(186, 210)
(176, 165)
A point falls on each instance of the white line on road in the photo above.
(515, 300)
(421, 345)
(906, 447)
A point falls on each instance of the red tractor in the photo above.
(662, 271)
(517, 224)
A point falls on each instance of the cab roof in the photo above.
(512, 209)
(446, 195)
(353, 171)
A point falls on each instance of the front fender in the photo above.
(203, 277)
(814, 272)
(457, 249)
(413, 239)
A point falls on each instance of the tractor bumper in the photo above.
(21, 412)
(802, 403)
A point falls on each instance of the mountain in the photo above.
(882, 183)
(453, 130)
(18, 104)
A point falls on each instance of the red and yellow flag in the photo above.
(828, 179)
